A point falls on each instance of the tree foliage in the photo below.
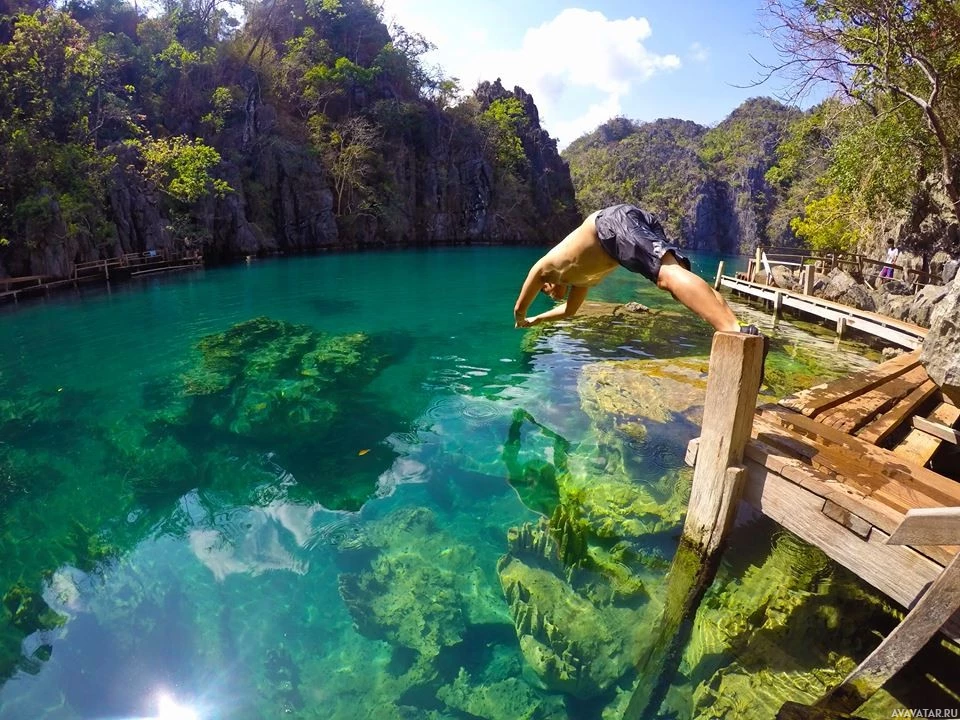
(899, 58)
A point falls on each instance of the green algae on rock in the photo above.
(575, 622)
(606, 325)
(508, 699)
(421, 588)
(273, 381)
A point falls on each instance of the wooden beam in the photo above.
(899, 572)
(819, 398)
(858, 411)
(880, 429)
(937, 430)
(733, 382)
(874, 462)
(731, 396)
(932, 610)
(919, 446)
(928, 526)
(808, 278)
(716, 282)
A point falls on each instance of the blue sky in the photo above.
(589, 61)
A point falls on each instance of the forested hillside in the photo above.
(307, 124)
(878, 159)
(706, 185)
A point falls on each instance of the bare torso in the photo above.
(578, 259)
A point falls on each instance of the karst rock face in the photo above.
(941, 348)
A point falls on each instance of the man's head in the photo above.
(890, 242)
(557, 291)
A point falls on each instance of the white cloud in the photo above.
(578, 66)
(577, 51)
(698, 53)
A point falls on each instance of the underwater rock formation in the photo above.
(751, 647)
(507, 699)
(576, 625)
(273, 381)
(610, 325)
(421, 588)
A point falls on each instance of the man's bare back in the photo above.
(578, 260)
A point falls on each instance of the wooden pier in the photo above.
(846, 466)
(126, 266)
(902, 333)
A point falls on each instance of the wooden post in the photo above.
(808, 278)
(841, 326)
(777, 304)
(731, 398)
(756, 264)
(716, 282)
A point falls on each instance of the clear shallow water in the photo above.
(266, 541)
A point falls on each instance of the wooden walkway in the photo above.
(902, 333)
(127, 265)
(841, 465)
(866, 468)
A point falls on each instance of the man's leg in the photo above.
(691, 290)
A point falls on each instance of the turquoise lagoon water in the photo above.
(303, 516)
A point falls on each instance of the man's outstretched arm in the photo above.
(531, 286)
(575, 299)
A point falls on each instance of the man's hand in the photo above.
(519, 321)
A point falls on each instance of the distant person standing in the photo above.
(892, 254)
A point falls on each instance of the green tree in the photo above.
(887, 54)
(503, 123)
(180, 168)
(829, 224)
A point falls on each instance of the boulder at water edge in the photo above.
(941, 348)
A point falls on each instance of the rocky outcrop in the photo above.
(941, 348)
(576, 639)
(438, 187)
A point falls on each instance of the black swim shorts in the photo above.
(635, 239)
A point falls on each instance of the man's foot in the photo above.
(754, 330)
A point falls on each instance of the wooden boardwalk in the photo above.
(841, 465)
(866, 468)
(127, 265)
(902, 333)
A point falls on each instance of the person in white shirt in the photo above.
(892, 254)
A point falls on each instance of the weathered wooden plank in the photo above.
(872, 459)
(919, 446)
(851, 521)
(880, 429)
(693, 447)
(858, 411)
(868, 477)
(853, 499)
(819, 398)
(937, 429)
(899, 572)
(928, 526)
(733, 381)
(929, 614)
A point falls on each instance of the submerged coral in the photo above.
(575, 619)
(273, 381)
(421, 589)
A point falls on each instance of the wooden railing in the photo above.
(861, 265)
